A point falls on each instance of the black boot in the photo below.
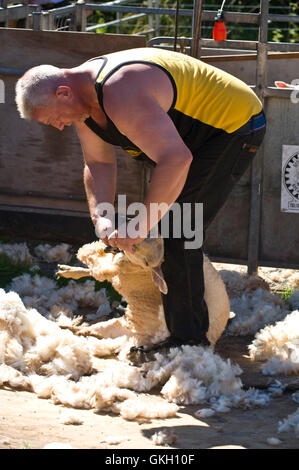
(141, 354)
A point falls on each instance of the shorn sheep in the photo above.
(138, 278)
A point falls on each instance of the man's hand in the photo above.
(125, 243)
(104, 228)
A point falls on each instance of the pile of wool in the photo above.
(237, 281)
(31, 343)
(236, 278)
(254, 300)
(165, 437)
(113, 440)
(108, 390)
(196, 375)
(291, 423)
(95, 393)
(253, 310)
(278, 345)
(252, 304)
(34, 291)
(71, 420)
(43, 293)
(17, 252)
(10, 377)
(53, 254)
(123, 388)
(79, 295)
(37, 354)
(279, 278)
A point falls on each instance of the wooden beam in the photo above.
(257, 164)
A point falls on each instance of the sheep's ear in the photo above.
(158, 279)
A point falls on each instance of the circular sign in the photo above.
(291, 175)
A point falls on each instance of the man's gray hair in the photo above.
(36, 88)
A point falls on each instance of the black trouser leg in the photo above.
(185, 310)
(218, 166)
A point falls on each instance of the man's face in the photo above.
(63, 110)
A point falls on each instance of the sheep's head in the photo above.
(149, 254)
(102, 260)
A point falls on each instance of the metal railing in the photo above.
(74, 17)
(16, 12)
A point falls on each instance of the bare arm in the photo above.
(139, 108)
(99, 171)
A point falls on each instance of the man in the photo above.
(199, 127)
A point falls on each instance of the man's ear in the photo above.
(64, 93)
(158, 279)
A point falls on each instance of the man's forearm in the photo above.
(166, 184)
(100, 185)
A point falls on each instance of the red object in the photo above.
(219, 31)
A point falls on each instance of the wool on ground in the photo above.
(58, 365)
(289, 424)
(43, 293)
(53, 254)
(37, 355)
(278, 345)
(17, 252)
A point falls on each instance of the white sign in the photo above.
(2, 92)
(290, 179)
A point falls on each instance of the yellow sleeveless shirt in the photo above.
(206, 99)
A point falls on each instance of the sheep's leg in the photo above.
(72, 272)
(108, 329)
(217, 302)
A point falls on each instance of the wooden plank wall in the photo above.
(41, 167)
